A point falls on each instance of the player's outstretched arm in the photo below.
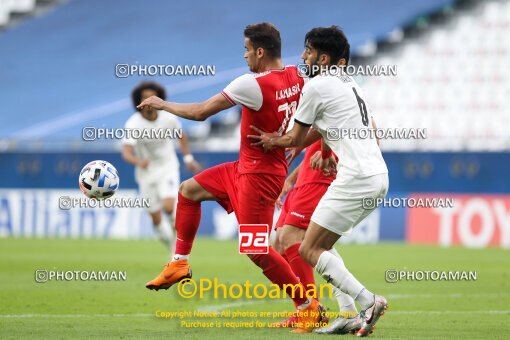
(192, 111)
(311, 137)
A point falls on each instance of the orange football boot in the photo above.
(290, 322)
(174, 272)
(309, 318)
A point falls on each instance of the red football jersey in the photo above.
(269, 101)
(306, 173)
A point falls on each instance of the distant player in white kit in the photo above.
(329, 103)
(157, 167)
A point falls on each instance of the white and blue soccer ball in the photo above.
(99, 180)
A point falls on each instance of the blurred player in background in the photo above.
(250, 186)
(303, 189)
(155, 160)
(336, 101)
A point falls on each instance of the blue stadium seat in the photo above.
(58, 70)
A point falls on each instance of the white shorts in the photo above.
(165, 187)
(342, 206)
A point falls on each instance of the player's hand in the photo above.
(293, 153)
(144, 163)
(193, 166)
(152, 102)
(327, 166)
(286, 188)
(263, 138)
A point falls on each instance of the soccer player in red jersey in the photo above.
(250, 186)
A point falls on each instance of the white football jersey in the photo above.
(332, 105)
(160, 152)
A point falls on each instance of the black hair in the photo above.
(266, 36)
(136, 94)
(331, 41)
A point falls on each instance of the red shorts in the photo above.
(250, 196)
(300, 204)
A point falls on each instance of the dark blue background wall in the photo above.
(409, 172)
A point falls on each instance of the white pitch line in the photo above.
(440, 295)
(403, 312)
(442, 312)
(6, 316)
(219, 308)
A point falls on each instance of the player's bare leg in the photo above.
(187, 220)
(289, 237)
(276, 244)
(293, 320)
(169, 209)
(315, 250)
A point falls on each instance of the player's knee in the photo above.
(190, 189)
(277, 244)
(182, 188)
(169, 210)
(290, 236)
(186, 189)
(286, 243)
(156, 219)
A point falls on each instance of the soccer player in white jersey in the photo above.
(157, 167)
(330, 102)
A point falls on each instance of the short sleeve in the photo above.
(129, 125)
(244, 90)
(309, 106)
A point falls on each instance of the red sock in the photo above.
(187, 220)
(302, 269)
(278, 271)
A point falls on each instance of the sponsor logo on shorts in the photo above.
(297, 214)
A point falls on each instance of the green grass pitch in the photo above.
(125, 309)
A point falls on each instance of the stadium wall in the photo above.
(32, 183)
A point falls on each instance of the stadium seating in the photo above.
(452, 81)
(61, 65)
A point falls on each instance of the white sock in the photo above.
(171, 219)
(365, 298)
(345, 302)
(163, 234)
(305, 305)
(178, 257)
(333, 270)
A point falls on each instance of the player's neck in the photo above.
(272, 65)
